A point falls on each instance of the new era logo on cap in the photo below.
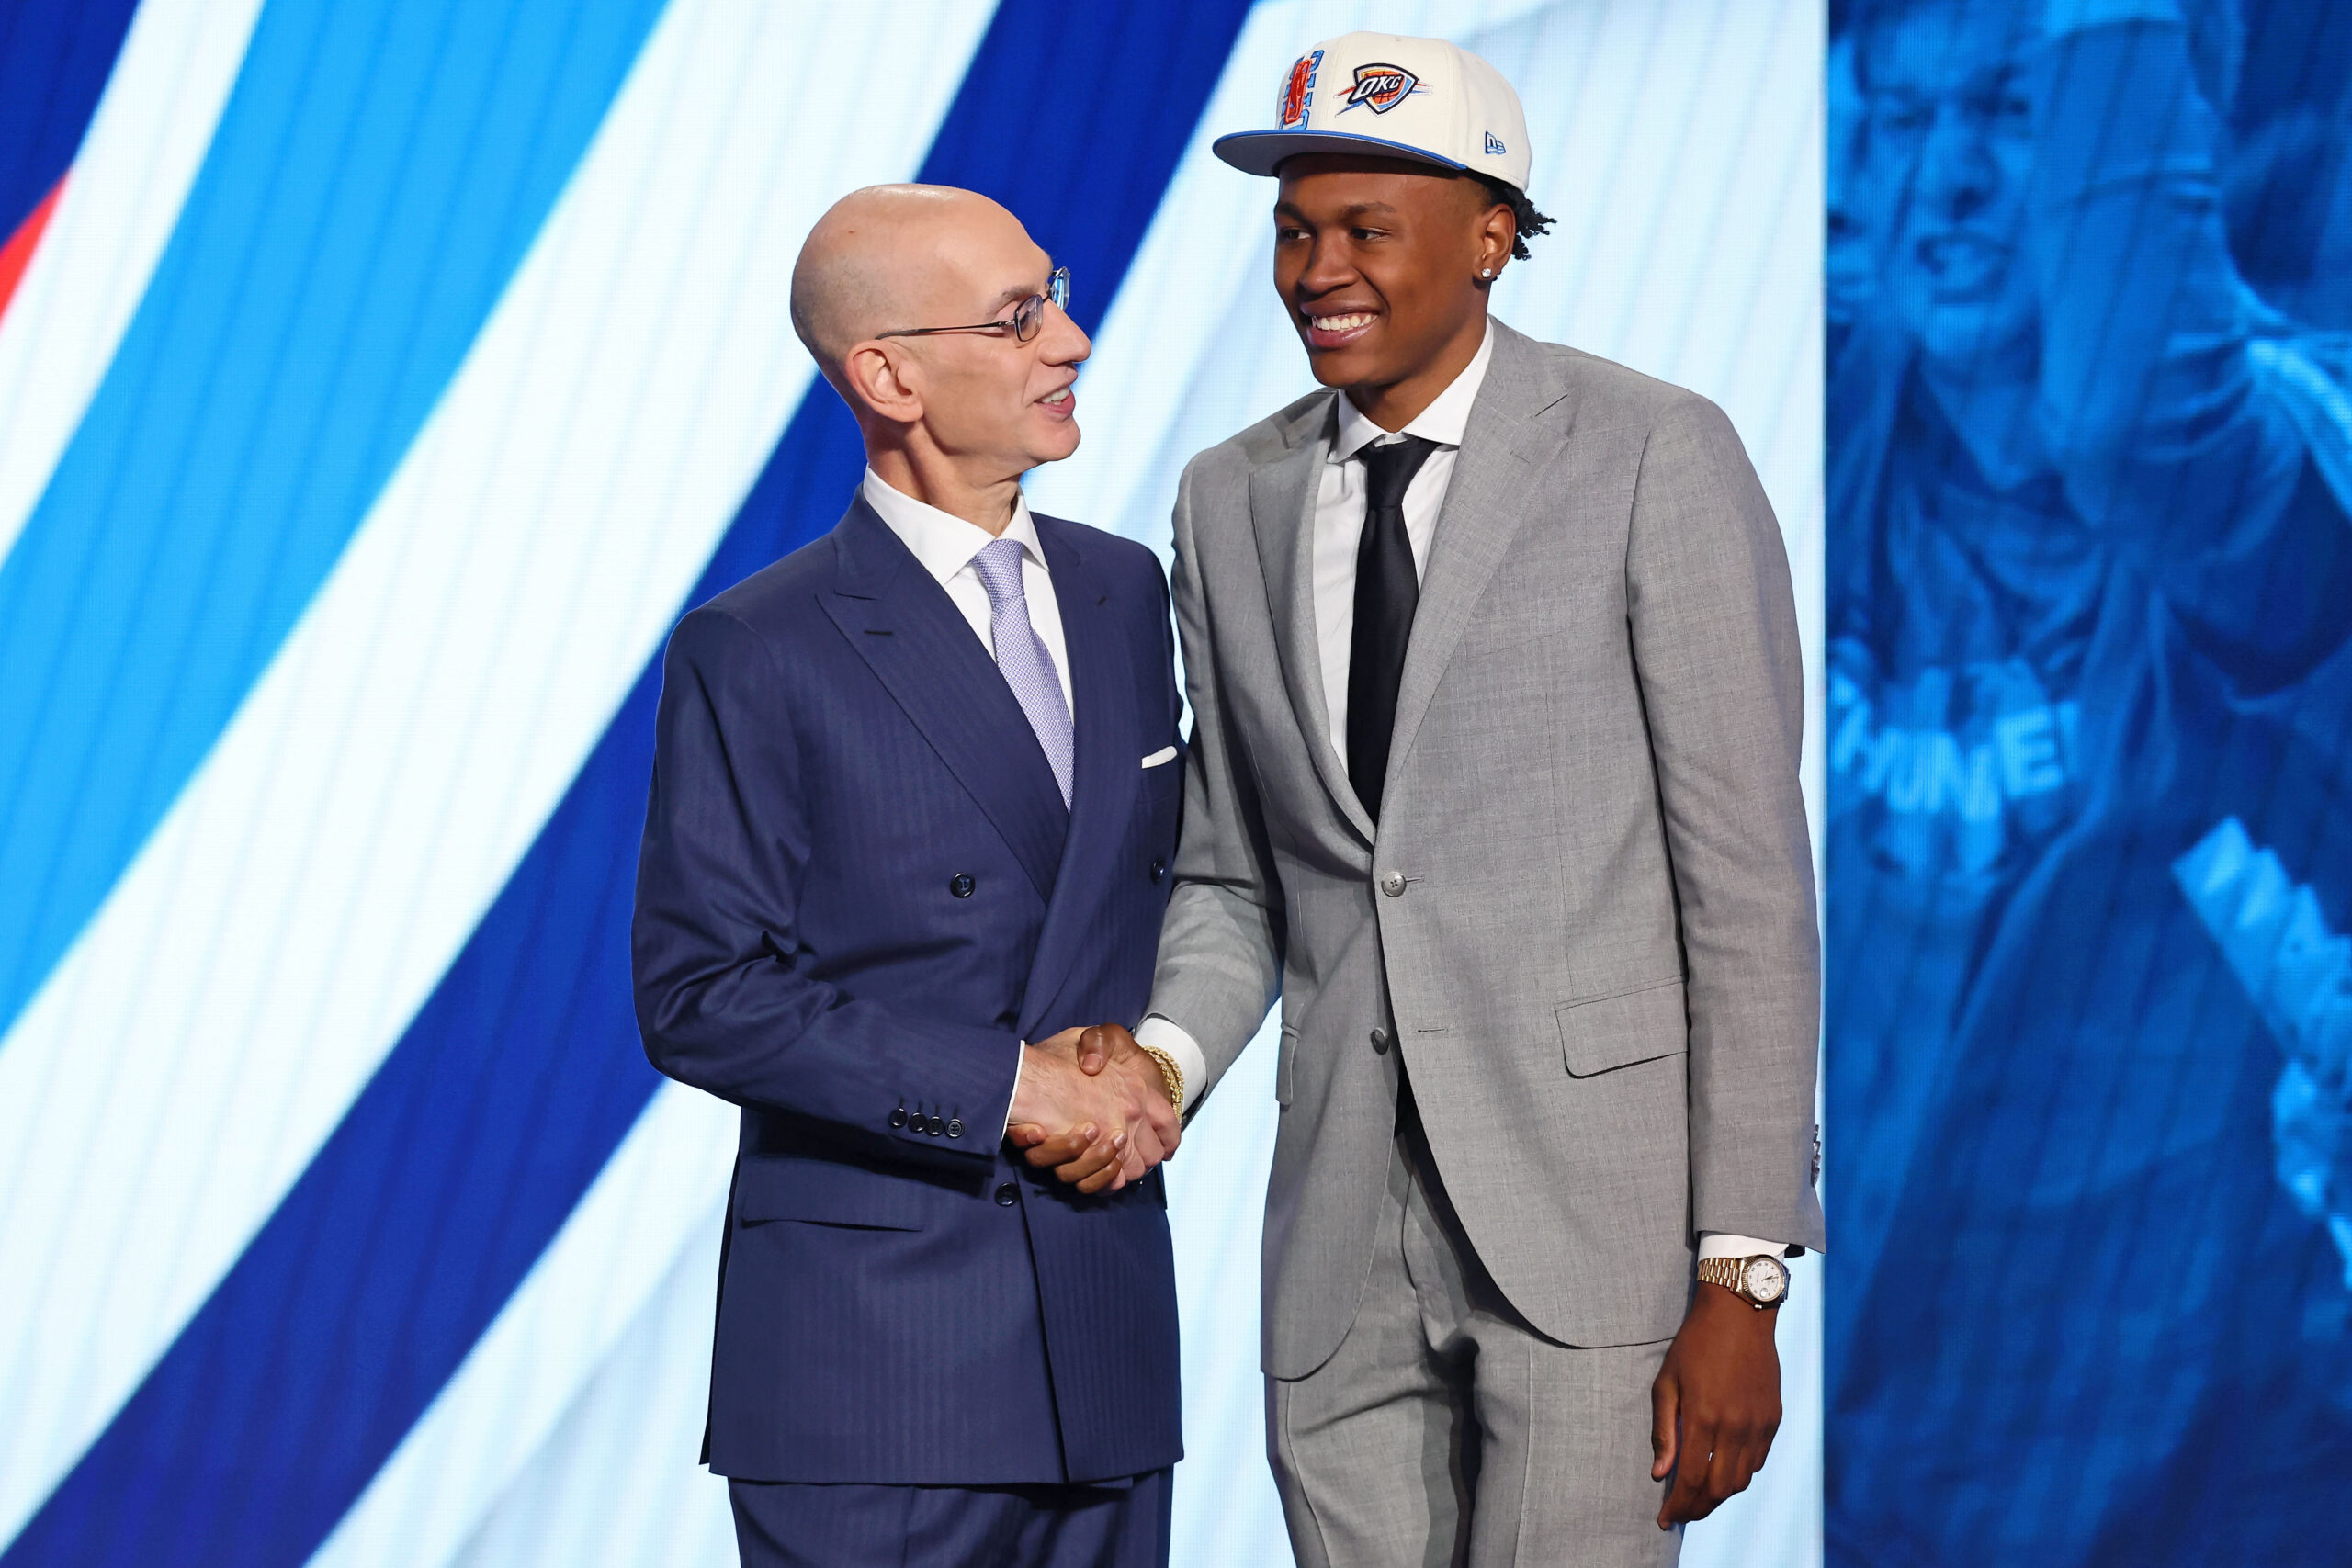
(1429, 101)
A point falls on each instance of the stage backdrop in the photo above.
(379, 380)
(2090, 585)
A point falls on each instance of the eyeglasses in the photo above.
(1026, 318)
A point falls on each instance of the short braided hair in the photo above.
(1523, 211)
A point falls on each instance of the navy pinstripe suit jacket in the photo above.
(858, 892)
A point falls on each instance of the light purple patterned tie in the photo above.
(1021, 655)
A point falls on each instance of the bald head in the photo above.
(890, 256)
(965, 409)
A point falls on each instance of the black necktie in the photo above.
(1387, 590)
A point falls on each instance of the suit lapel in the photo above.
(1282, 503)
(1107, 772)
(922, 650)
(1484, 506)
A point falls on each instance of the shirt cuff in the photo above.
(1162, 1033)
(1020, 1060)
(1723, 1243)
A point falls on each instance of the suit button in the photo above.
(1159, 869)
(1393, 884)
(961, 884)
(1008, 1195)
(935, 1127)
(898, 1117)
(1380, 1040)
(955, 1126)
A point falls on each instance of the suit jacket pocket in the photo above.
(830, 1192)
(1286, 1065)
(1603, 1034)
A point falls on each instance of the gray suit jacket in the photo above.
(1587, 918)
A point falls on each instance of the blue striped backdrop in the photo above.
(341, 1218)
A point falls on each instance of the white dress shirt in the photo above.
(945, 544)
(1339, 517)
(1338, 535)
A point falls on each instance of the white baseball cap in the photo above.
(1421, 99)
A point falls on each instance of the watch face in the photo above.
(1765, 1279)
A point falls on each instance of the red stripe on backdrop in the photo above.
(18, 252)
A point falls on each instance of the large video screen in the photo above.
(2090, 586)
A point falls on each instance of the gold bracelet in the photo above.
(1172, 1077)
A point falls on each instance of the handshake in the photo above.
(1092, 1104)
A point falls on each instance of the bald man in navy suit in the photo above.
(915, 797)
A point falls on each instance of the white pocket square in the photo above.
(1165, 754)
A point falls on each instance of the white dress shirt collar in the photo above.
(941, 541)
(1442, 422)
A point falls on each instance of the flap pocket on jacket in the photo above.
(1639, 1025)
(830, 1192)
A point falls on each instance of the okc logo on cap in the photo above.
(1381, 88)
(1298, 92)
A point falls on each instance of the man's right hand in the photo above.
(1097, 1128)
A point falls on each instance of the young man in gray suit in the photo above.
(1494, 669)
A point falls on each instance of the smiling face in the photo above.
(1378, 261)
(976, 409)
(1951, 146)
(989, 401)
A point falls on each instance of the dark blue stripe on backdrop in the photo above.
(464, 1156)
(54, 61)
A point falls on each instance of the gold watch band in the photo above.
(1730, 1273)
(1172, 1077)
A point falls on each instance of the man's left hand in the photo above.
(1715, 1404)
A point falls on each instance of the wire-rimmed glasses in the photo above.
(1026, 319)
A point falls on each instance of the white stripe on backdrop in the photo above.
(122, 199)
(586, 1501)
(633, 1262)
(377, 788)
(1677, 142)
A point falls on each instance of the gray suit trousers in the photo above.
(1447, 1433)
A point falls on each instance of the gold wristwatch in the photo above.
(1761, 1281)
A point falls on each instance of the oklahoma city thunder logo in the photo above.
(1298, 92)
(1380, 88)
